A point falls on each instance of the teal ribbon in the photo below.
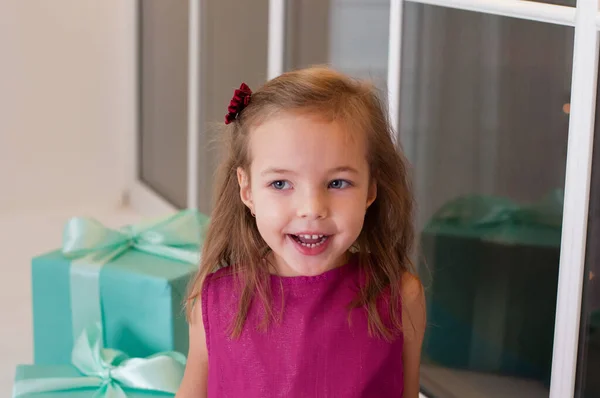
(501, 220)
(91, 245)
(110, 371)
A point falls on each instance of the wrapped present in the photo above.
(491, 274)
(98, 372)
(132, 280)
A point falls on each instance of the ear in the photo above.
(245, 191)
(372, 193)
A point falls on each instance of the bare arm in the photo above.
(413, 321)
(195, 378)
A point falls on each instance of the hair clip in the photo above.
(240, 99)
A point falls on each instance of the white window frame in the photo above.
(140, 196)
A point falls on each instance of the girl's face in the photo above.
(309, 189)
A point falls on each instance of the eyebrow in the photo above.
(340, 169)
(344, 169)
(275, 170)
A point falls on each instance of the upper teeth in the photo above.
(311, 236)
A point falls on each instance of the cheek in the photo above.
(353, 201)
(352, 209)
(356, 217)
(271, 224)
(355, 225)
(270, 209)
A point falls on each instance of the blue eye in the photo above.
(339, 184)
(280, 185)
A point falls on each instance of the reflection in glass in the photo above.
(351, 36)
(482, 121)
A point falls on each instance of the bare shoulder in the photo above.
(197, 316)
(413, 328)
(411, 289)
(413, 306)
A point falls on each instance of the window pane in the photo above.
(349, 35)
(231, 53)
(588, 369)
(163, 98)
(484, 121)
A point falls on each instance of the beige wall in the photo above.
(66, 101)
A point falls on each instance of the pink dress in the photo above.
(312, 353)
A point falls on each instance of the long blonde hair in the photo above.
(385, 242)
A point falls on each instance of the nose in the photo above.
(313, 205)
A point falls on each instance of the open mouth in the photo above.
(310, 241)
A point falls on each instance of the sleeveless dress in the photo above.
(313, 352)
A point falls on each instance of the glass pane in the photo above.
(484, 122)
(163, 98)
(231, 54)
(588, 369)
(349, 35)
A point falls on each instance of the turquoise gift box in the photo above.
(98, 372)
(132, 280)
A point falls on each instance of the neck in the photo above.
(277, 266)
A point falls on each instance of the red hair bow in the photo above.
(240, 99)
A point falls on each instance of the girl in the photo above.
(305, 288)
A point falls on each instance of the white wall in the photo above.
(67, 94)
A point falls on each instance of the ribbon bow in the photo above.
(240, 99)
(109, 371)
(178, 237)
(91, 245)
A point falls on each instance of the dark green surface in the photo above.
(491, 285)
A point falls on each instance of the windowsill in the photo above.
(442, 382)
